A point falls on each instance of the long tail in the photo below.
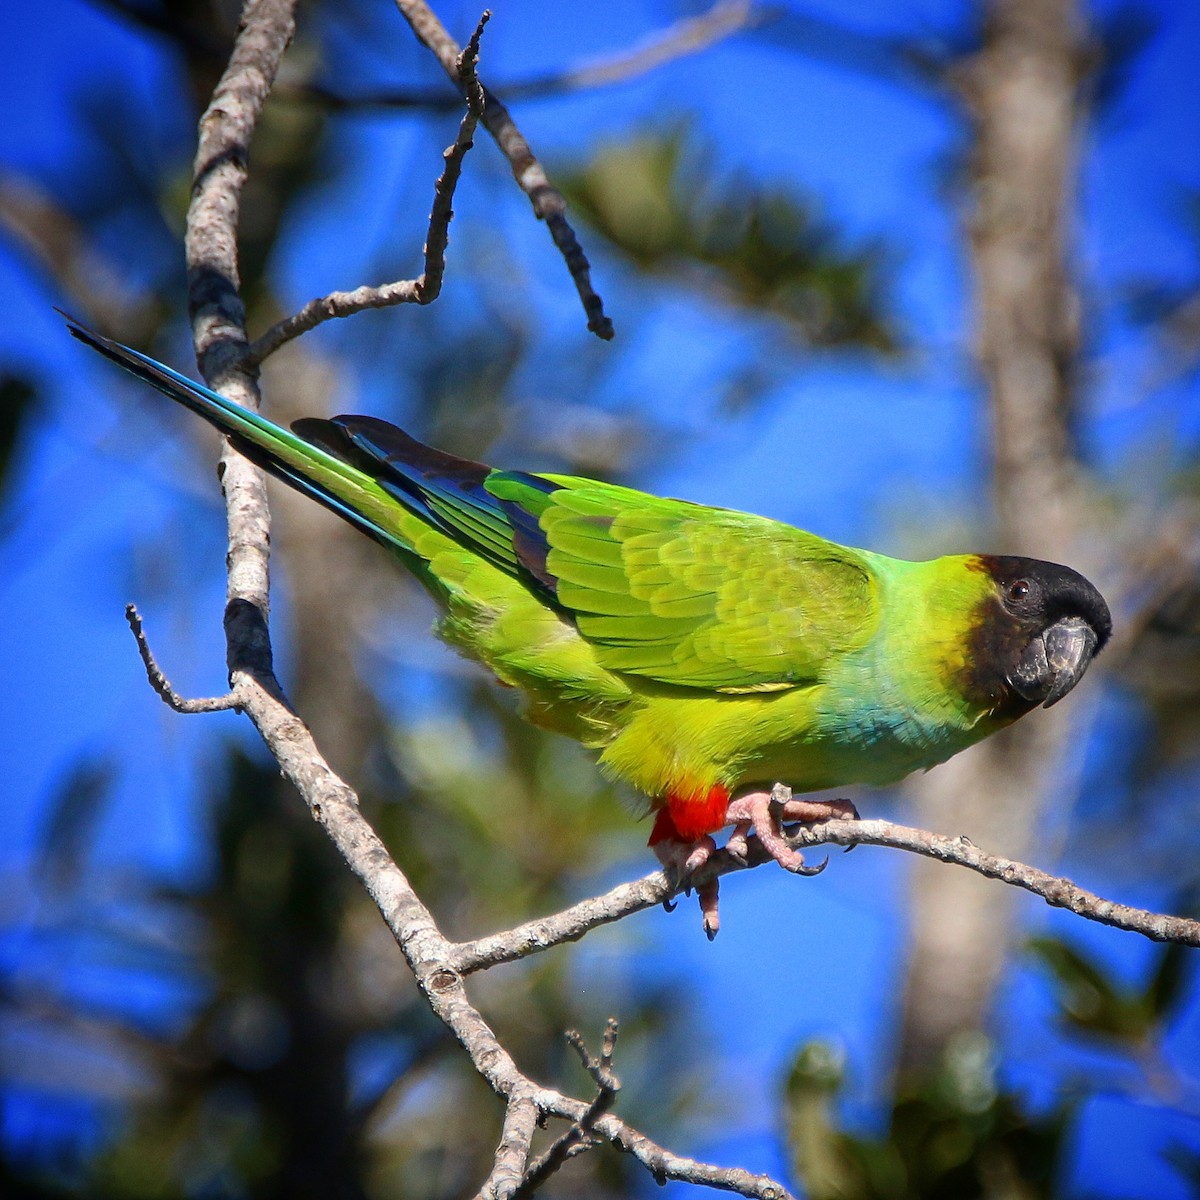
(381, 480)
(304, 463)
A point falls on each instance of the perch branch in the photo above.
(426, 288)
(1058, 892)
(572, 923)
(548, 202)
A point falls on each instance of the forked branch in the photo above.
(426, 288)
(582, 1135)
(548, 202)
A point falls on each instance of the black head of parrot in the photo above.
(1041, 634)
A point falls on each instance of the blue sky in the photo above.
(885, 456)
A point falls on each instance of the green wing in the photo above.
(695, 596)
(672, 591)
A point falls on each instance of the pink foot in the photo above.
(707, 894)
(737, 844)
(683, 858)
(680, 859)
(768, 811)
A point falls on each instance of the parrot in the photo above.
(715, 660)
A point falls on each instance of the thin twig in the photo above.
(581, 1136)
(428, 285)
(159, 681)
(327, 308)
(548, 202)
(664, 1165)
(467, 65)
(688, 36)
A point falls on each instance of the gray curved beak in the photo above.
(1055, 661)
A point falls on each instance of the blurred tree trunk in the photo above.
(1022, 95)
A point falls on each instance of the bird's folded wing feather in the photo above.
(695, 596)
(664, 589)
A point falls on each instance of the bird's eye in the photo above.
(1018, 590)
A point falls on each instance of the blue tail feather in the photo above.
(447, 492)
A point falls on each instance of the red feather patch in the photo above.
(688, 815)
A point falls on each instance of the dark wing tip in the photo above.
(327, 436)
(389, 442)
(89, 337)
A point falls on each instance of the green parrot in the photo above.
(706, 654)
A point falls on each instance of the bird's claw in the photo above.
(737, 845)
(803, 868)
(699, 854)
(681, 860)
(768, 811)
(708, 894)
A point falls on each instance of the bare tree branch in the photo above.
(688, 36)
(520, 1121)
(572, 923)
(219, 318)
(663, 1165)
(1055, 890)
(159, 682)
(656, 888)
(581, 1136)
(439, 223)
(548, 202)
(426, 288)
